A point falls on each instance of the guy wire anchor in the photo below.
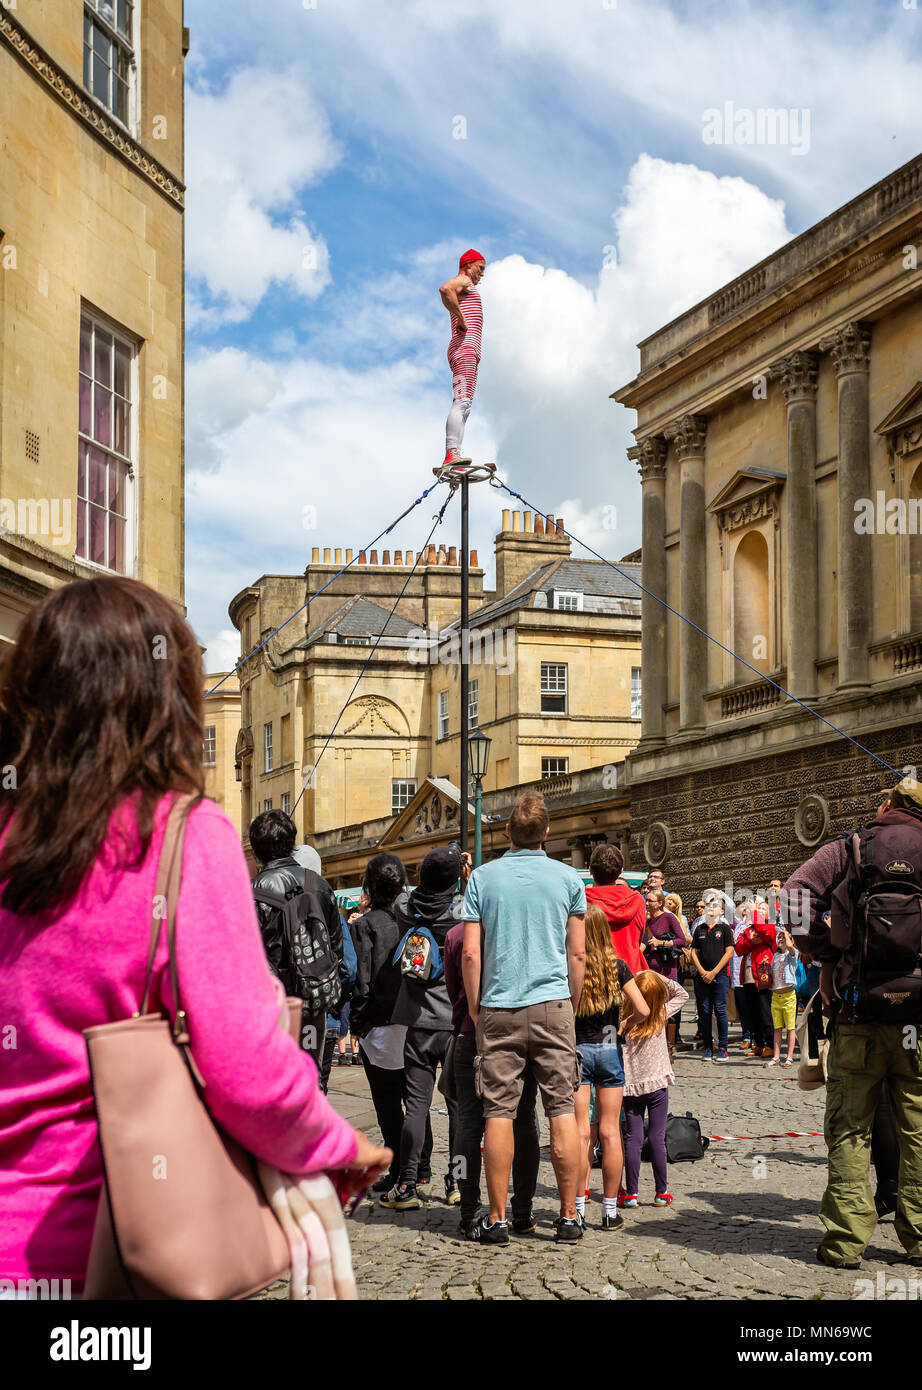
(465, 469)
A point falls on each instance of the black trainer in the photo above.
(524, 1225)
(497, 1234)
(464, 1226)
(568, 1228)
(612, 1223)
(385, 1182)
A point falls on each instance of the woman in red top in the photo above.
(625, 909)
(757, 941)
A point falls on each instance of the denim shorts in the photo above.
(602, 1063)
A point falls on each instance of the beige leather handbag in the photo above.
(182, 1214)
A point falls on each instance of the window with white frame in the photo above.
(105, 446)
(286, 803)
(554, 767)
(553, 687)
(473, 705)
(568, 600)
(108, 54)
(403, 790)
(635, 692)
(443, 714)
(209, 747)
(267, 747)
(267, 805)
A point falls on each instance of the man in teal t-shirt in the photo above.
(523, 962)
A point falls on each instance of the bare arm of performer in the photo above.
(449, 293)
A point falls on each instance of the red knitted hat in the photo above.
(469, 257)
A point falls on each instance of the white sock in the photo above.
(581, 1205)
(609, 1206)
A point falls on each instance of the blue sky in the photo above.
(329, 196)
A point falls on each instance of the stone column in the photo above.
(798, 374)
(687, 436)
(650, 457)
(850, 348)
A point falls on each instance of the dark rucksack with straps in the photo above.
(880, 976)
(309, 951)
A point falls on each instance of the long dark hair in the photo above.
(101, 699)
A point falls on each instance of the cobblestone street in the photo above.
(744, 1223)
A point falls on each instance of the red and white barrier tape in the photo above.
(785, 1134)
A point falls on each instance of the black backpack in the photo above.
(684, 1140)
(880, 976)
(313, 963)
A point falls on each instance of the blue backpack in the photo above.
(419, 957)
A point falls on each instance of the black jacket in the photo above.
(286, 877)
(420, 1005)
(377, 979)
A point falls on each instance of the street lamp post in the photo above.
(478, 751)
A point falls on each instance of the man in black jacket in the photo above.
(272, 839)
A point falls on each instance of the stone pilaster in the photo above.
(687, 436)
(850, 349)
(650, 457)
(798, 375)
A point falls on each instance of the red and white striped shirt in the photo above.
(472, 313)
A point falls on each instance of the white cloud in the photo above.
(279, 447)
(252, 149)
(222, 651)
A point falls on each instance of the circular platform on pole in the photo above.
(453, 473)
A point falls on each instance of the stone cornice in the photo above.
(650, 457)
(798, 374)
(849, 348)
(93, 117)
(687, 434)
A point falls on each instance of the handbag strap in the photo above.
(166, 891)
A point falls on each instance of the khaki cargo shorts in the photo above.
(507, 1039)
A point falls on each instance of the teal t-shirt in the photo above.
(523, 901)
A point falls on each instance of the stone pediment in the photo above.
(750, 495)
(373, 714)
(902, 428)
(434, 810)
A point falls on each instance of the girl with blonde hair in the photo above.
(608, 986)
(648, 1075)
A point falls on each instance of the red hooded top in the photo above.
(758, 941)
(626, 912)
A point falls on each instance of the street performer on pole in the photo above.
(462, 301)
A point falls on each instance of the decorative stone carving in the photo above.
(650, 457)
(657, 843)
(751, 496)
(849, 347)
(372, 708)
(688, 435)
(798, 375)
(43, 66)
(811, 820)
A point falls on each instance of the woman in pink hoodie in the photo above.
(101, 722)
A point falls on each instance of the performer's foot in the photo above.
(451, 456)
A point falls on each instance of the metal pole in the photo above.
(478, 837)
(465, 583)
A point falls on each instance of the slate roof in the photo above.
(359, 617)
(604, 590)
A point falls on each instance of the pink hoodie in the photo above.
(59, 976)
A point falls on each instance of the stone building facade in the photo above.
(91, 296)
(554, 683)
(772, 420)
(222, 725)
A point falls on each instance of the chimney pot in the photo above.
(387, 558)
(549, 522)
(338, 556)
(474, 561)
(516, 521)
(430, 554)
(348, 557)
(505, 518)
(362, 560)
(453, 555)
(443, 555)
(315, 555)
(326, 554)
(398, 557)
(527, 516)
(539, 524)
(560, 526)
(374, 557)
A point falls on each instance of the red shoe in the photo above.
(627, 1199)
(662, 1199)
(451, 456)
